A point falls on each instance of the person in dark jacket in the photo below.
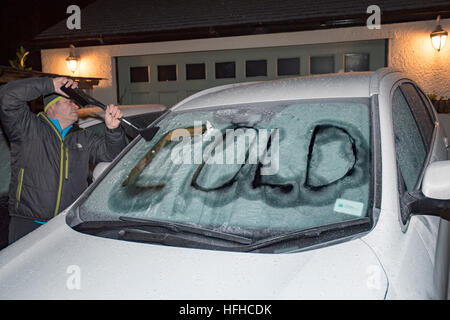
(50, 154)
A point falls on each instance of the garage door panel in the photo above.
(184, 79)
(140, 97)
(168, 98)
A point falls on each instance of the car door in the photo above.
(418, 142)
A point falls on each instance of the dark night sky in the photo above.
(20, 21)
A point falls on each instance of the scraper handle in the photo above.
(84, 100)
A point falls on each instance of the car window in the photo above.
(420, 112)
(410, 148)
(312, 169)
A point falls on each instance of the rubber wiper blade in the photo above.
(180, 228)
(309, 233)
(139, 235)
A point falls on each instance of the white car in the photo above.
(321, 187)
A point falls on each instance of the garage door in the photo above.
(168, 78)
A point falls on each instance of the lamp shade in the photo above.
(72, 60)
(438, 37)
(72, 64)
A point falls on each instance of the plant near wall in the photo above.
(432, 97)
(442, 105)
(20, 60)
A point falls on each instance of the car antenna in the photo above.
(84, 100)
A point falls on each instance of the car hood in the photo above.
(56, 262)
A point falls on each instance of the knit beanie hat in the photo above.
(51, 99)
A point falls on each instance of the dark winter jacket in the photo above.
(47, 173)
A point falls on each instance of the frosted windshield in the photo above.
(311, 168)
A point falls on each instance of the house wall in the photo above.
(410, 50)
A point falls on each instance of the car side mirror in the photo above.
(436, 181)
(99, 168)
(434, 198)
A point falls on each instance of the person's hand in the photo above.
(60, 81)
(112, 116)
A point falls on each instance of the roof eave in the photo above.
(319, 23)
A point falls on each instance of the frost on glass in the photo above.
(410, 150)
(323, 151)
(332, 156)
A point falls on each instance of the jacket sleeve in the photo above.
(15, 114)
(106, 148)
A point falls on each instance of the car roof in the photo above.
(94, 115)
(338, 85)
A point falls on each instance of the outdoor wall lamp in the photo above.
(72, 60)
(438, 36)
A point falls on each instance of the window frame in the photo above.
(347, 56)
(188, 65)
(161, 67)
(426, 140)
(401, 189)
(139, 68)
(249, 64)
(290, 74)
(310, 58)
(223, 63)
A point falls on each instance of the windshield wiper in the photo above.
(363, 223)
(134, 229)
(166, 238)
(183, 228)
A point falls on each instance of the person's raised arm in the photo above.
(15, 114)
(105, 149)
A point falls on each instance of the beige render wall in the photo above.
(410, 50)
